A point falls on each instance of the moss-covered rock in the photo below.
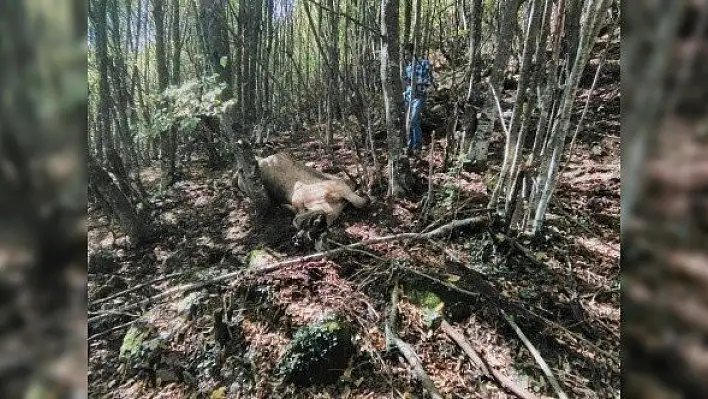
(431, 304)
(425, 299)
(142, 348)
(319, 352)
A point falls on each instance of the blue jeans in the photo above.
(416, 133)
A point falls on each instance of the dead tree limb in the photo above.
(136, 288)
(465, 346)
(537, 356)
(504, 381)
(393, 340)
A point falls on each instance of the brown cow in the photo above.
(317, 199)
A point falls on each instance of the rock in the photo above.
(319, 352)
(166, 376)
(261, 257)
(431, 305)
(188, 307)
(597, 150)
(145, 354)
(142, 348)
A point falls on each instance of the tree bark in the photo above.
(478, 150)
(122, 206)
(475, 46)
(592, 16)
(514, 141)
(213, 18)
(176, 42)
(399, 175)
(158, 13)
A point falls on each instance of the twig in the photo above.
(359, 251)
(137, 287)
(112, 329)
(504, 381)
(279, 265)
(406, 350)
(499, 109)
(372, 31)
(429, 197)
(457, 208)
(112, 313)
(537, 356)
(465, 346)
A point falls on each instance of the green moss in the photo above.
(132, 340)
(431, 303)
(142, 347)
(318, 353)
(425, 299)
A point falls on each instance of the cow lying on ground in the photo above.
(317, 199)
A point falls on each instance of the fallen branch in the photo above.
(504, 381)
(406, 349)
(112, 329)
(537, 356)
(137, 287)
(503, 301)
(455, 224)
(512, 305)
(465, 346)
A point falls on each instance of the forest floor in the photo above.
(568, 283)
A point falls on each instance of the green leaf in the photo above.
(224, 61)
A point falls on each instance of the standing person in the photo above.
(417, 87)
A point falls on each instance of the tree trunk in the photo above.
(176, 42)
(478, 150)
(158, 12)
(123, 208)
(407, 18)
(104, 140)
(593, 14)
(475, 46)
(572, 29)
(413, 34)
(213, 19)
(121, 99)
(254, 45)
(270, 37)
(645, 100)
(399, 174)
(514, 140)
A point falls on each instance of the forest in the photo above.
(262, 221)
